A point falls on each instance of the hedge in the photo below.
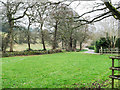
(26, 53)
(91, 47)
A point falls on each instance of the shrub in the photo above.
(29, 50)
(91, 47)
(97, 46)
(58, 50)
(118, 43)
(77, 50)
(103, 42)
(96, 49)
(32, 52)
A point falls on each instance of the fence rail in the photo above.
(109, 51)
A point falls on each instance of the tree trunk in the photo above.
(62, 44)
(29, 37)
(42, 38)
(80, 46)
(75, 42)
(11, 43)
(55, 36)
(112, 9)
(66, 44)
(11, 24)
(43, 42)
(5, 42)
(29, 42)
(70, 44)
(82, 42)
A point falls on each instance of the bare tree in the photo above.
(42, 15)
(31, 16)
(82, 35)
(113, 11)
(11, 9)
(56, 13)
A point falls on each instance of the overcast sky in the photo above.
(102, 26)
(83, 6)
(86, 5)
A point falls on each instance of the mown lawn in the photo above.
(61, 70)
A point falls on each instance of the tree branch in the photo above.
(23, 13)
(112, 9)
(91, 12)
(16, 7)
(94, 20)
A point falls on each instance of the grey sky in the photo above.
(82, 6)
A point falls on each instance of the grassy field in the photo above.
(62, 70)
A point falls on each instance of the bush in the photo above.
(32, 52)
(29, 50)
(77, 50)
(103, 42)
(91, 47)
(83, 50)
(97, 46)
(96, 50)
(118, 43)
(54, 51)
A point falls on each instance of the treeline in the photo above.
(54, 23)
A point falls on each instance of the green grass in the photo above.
(62, 70)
